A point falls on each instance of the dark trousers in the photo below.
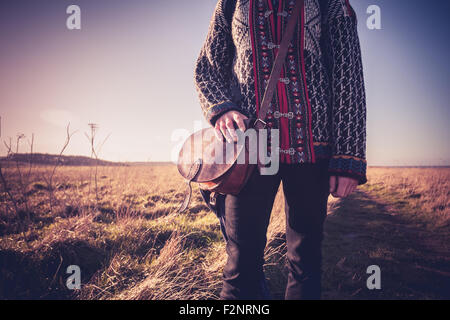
(246, 218)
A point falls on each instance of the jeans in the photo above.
(244, 221)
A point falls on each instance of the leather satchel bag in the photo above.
(197, 160)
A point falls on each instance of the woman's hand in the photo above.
(225, 125)
(345, 186)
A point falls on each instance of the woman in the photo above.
(319, 109)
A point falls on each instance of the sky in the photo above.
(130, 70)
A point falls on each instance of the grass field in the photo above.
(119, 225)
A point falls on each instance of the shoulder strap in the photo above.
(278, 65)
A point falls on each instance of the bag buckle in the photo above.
(213, 198)
(262, 121)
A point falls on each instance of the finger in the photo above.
(224, 130)
(230, 127)
(218, 133)
(355, 186)
(332, 184)
(342, 186)
(335, 185)
(345, 183)
(240, 123)
(348, 189)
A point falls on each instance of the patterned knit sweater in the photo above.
(319, 105)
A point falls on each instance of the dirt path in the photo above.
(365, 230)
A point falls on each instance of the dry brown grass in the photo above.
(130, 244)
(425, 189)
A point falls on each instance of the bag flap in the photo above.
(217, 157)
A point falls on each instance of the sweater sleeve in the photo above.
(348, 93)
(214, 65)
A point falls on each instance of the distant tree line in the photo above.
(65, 160)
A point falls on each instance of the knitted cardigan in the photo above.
(319, 105)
